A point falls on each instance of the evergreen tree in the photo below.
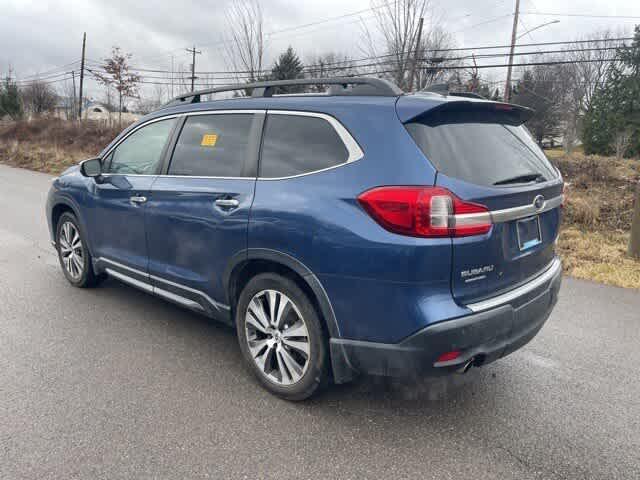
(539, 88)
(612, 124)
(10, 103)
(288, 67)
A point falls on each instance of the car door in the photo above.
(198, 213)
(118, 199)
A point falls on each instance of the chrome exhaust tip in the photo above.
(466, 367)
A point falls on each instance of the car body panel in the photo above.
(116, 224)
(191, 239)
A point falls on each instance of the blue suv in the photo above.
(359, 230)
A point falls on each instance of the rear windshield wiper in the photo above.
(523, 178)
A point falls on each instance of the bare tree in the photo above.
(395, 37)
(544, 89)
(434, 56)
(152, 101)
(593, 60)
(622, 141)
(245, 44)
(330, 64)
(39, 97)
(117, 75)
(69, 99)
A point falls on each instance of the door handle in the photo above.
(138, 199)
(227, 203)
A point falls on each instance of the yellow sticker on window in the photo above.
(209, 140)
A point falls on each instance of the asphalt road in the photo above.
(112, 383)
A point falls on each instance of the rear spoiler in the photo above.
(436, 111)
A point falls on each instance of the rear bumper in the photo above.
(495, 329)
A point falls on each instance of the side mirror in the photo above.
(91, 168)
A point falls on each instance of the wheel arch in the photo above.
(65, 204)
(245, 265)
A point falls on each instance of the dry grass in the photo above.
(597, 220)
(52, 145)
(599, 257)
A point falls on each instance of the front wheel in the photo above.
(281, 337)
(73, 253)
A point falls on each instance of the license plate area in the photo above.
(528, 232)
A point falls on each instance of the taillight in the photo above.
(425, 212)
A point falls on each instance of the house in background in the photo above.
(99, 111)
(66, 108)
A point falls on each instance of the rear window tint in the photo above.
(480, 152)
(295, 144)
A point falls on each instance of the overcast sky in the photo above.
(42, 35)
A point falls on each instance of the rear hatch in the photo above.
(484, 154)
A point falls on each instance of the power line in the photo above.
(584, 15)
(47, 73)
(310, 69)
(50, 71)
(41, 79)
(491, 20)
(439, 68)
(352, 63)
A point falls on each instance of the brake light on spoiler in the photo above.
(425, 212)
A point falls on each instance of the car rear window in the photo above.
(296, 144)
(480, 150)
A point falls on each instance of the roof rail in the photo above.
(361, 86)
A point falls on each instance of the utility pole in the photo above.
(634, 241)
(84, 44)
(71, 114)
(415, 55)
(514, 31)
(172, 75)
(193, 65)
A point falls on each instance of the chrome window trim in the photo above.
(167, 117)
(508, 214)
(253, 179)
(221, 112)
(354, 150)
(547, 274)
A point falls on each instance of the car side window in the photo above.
(140, 153)
(296, 144)
(214, 145)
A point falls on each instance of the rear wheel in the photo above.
(281, 337)
(73, 253)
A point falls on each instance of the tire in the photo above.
(275, 352)
(73, 254)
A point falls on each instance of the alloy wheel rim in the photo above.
(277, 337)
(71, 250)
